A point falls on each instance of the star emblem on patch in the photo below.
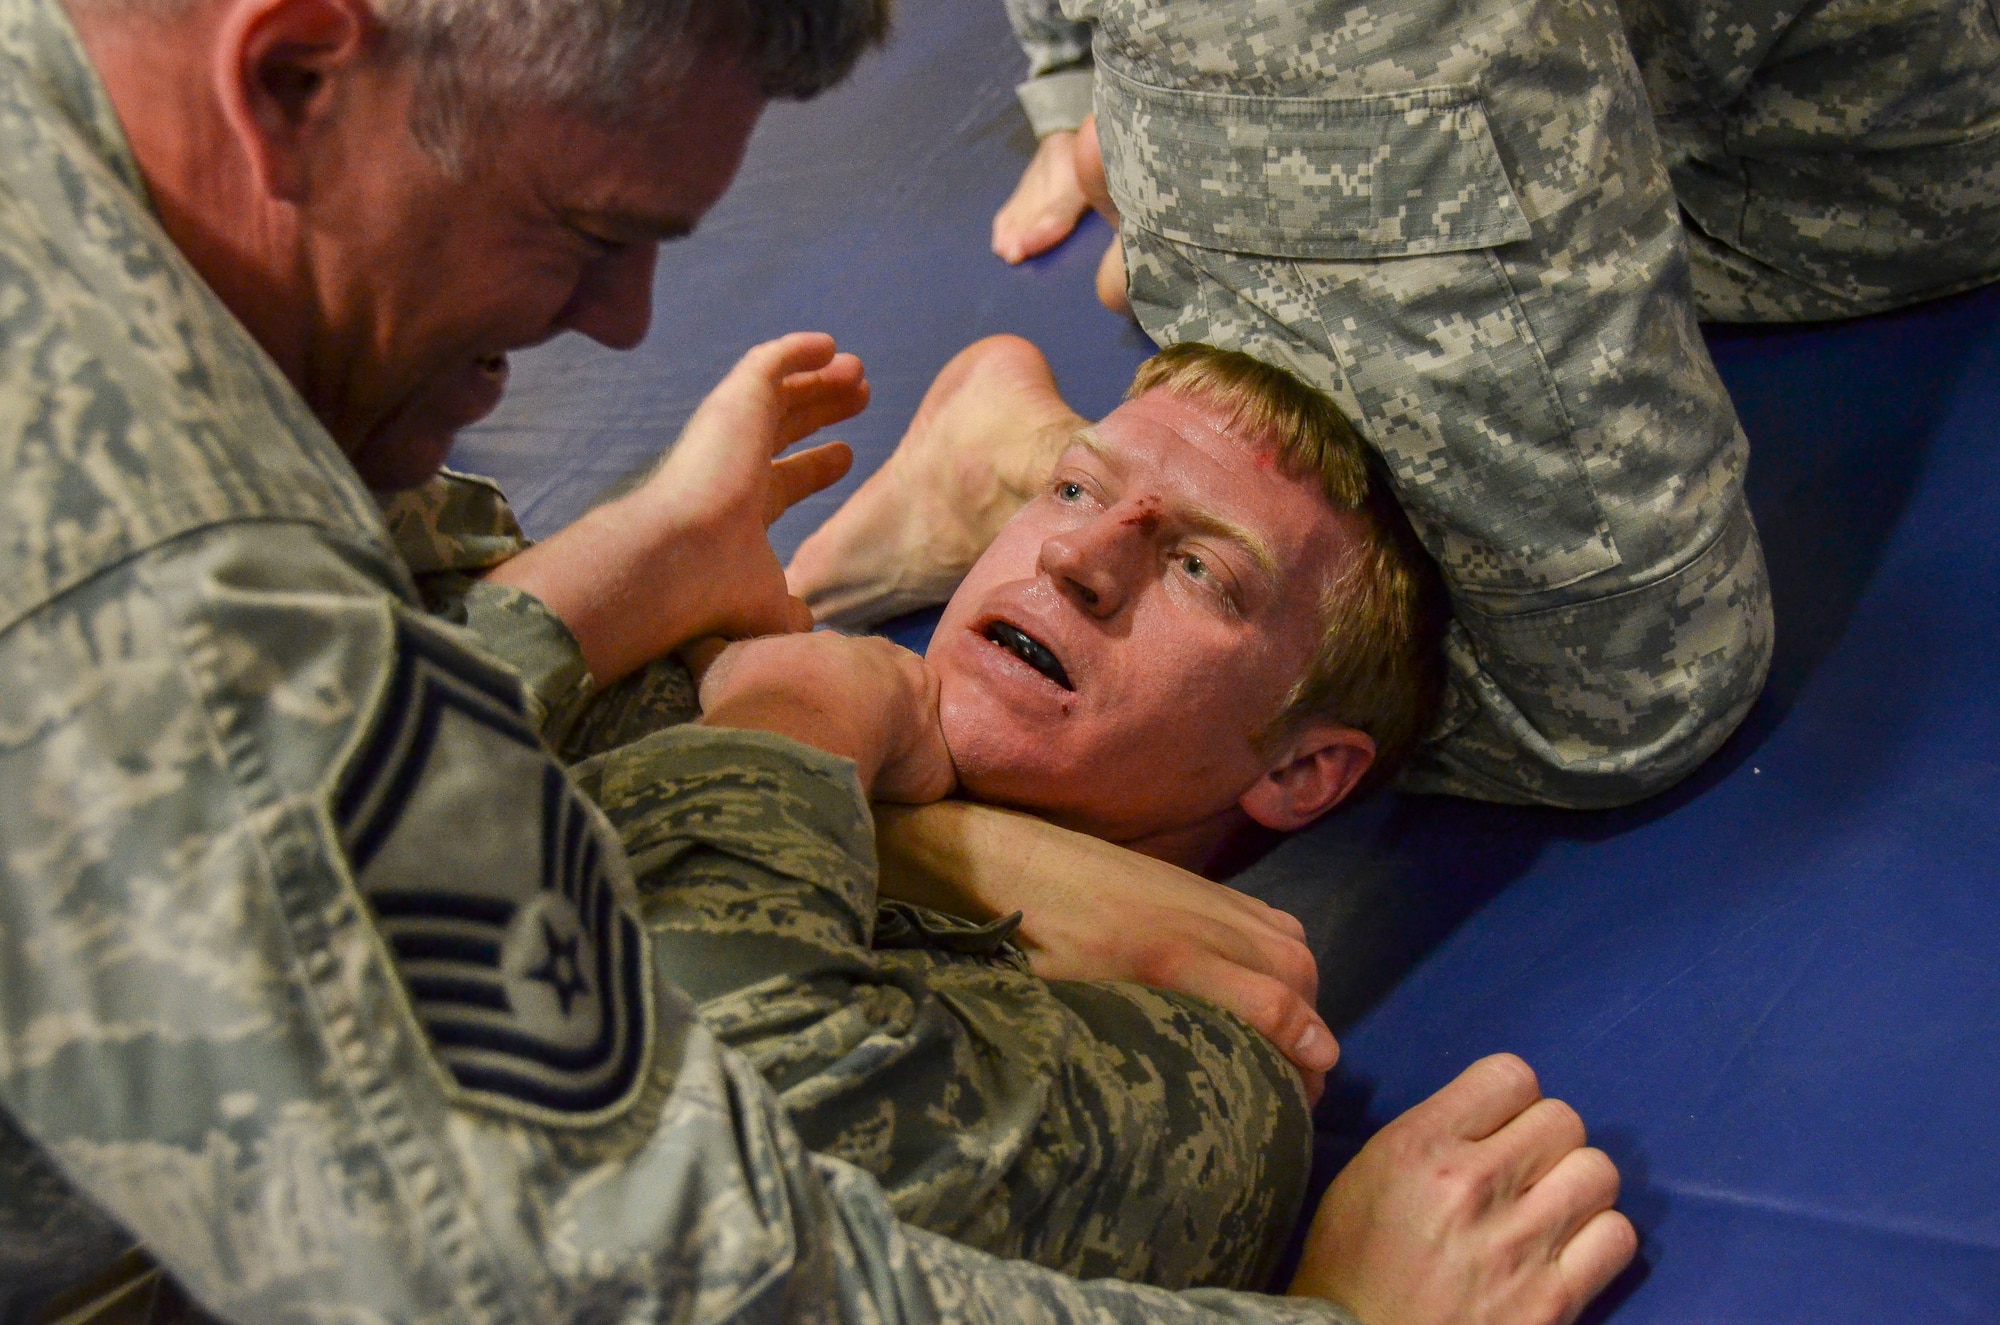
(560, 970)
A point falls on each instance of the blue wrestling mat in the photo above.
(1774, 992)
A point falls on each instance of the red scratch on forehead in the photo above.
(1147, 518)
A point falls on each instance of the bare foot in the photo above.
(1089, 169)
(981, 444)
(1047, 203)
(1111, 279)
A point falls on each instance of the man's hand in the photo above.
(686, 554)
(1091, 910)
(1481, 1206)
(863, 698)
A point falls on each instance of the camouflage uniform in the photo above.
(1057, 93)
(1460, 218)
(319, 976)
(1099, 1129)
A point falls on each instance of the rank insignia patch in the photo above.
(487, 873)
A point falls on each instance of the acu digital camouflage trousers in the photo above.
(1464, 220)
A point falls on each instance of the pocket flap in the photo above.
(1324, 178)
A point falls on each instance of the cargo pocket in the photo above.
(1368, 228)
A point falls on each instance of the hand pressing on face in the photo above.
(860, 697)
(1481, 1206)
(686, 553)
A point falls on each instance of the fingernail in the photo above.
(1315, 1048)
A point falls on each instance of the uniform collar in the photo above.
(37, 36)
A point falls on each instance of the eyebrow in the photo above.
(1196, 517)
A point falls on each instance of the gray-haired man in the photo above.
(323, 981)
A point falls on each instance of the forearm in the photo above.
(618, 580)
(954, 856)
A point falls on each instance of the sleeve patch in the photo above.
(490, 879)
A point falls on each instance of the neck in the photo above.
(1215, 847)
(158, 72)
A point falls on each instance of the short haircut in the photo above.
(611, 58)
(1379, 667)
(608, 58)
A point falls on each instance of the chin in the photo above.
(998, 764)
(1036, 783)
(412, 462)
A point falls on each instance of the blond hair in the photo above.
(1379, 666)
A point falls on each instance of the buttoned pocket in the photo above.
(1370, 232)
(1321, 178)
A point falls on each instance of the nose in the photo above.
(613, 300)
(1096, 562)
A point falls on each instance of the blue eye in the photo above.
(1070, 491)
(1195, 566)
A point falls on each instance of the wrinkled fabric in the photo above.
(1830, 159)
(1057, 93)
(1465, 222)
(1452, 218)
(1098, 1129)
(302, 927)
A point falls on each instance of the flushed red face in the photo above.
(1111, 659)
(426, 281)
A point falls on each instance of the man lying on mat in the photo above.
(1211, 622)
(1203, 536)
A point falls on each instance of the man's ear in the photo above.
(277, 74)
(1313, 771)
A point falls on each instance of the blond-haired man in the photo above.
(1211, 623)
(1213, 593)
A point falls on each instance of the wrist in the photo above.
(611, 578)
(784, 708)
(925, 858)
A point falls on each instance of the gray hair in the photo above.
(607, 58)
(610, 57)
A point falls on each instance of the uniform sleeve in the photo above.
(1458, 223)
(323, 982)
(1057, 93)
(1101, 1129)
(1076, 1126)
(450, 531)
(453, 529)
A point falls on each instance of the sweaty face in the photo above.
(424, 281)
(1111, 658)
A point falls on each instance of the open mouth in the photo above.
(1029, 650)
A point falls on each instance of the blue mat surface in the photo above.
(1772, 992)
